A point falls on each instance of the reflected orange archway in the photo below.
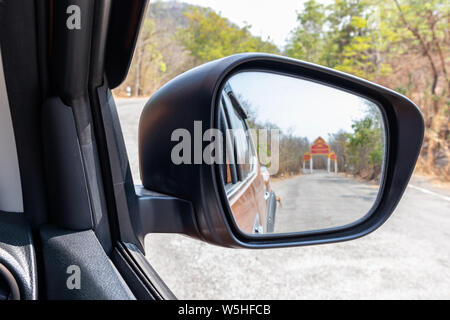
(319, 148)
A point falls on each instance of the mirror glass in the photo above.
(299, 155)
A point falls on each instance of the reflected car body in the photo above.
(249, 204)
(247, 183)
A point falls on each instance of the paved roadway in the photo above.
(407, 258)
(321, 200)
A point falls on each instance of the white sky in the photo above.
(309, 109)
(268, 18)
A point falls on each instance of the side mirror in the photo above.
(262, 151)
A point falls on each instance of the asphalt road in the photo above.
(321, 200)
(407, 258)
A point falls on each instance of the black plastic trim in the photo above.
(138, 264)
(71, 50)
(125, 23)
(69, 203)
(99, 279)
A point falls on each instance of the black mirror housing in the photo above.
(193, 97)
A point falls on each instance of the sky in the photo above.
(268, 18)
(309, 109)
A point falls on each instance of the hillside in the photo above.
(172, 12)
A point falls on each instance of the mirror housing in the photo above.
(189, 102)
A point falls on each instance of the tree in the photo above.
(427, 24)
(365, 146)
(347, 35)
(209, 36)
(338, 144)
(402, 44)
(159, 56)
(307, 41)
(148, 63)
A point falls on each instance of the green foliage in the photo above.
(428, 18)
(403, 44)
(348, 35)
(361, 36)
(152, 53)
(365, 146)
(159, 56)
(361, 152)
(338, 144)
(307, 41)
(149, 65)
(209, 36)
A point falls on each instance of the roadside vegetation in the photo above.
(401, 44)
(361, 152)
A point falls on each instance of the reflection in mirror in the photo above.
(300, 155)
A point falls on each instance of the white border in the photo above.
(10, 184)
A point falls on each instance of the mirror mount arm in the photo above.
(159, 213)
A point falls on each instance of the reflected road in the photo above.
(321, 200)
